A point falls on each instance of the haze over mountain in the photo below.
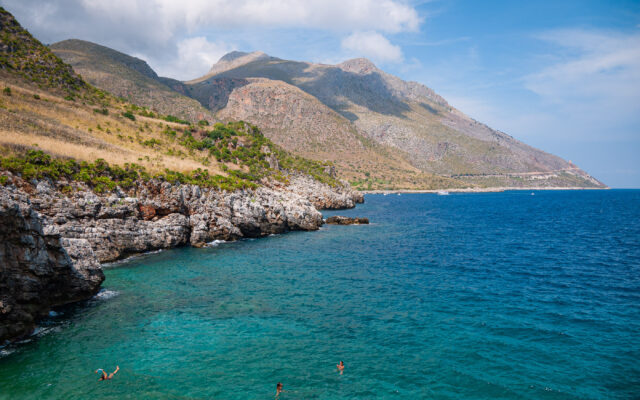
(380, 131)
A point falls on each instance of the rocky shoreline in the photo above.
(54, 235)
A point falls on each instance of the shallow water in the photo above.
(487, 296)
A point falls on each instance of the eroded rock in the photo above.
(38, 268)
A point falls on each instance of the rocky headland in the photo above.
(54, 235)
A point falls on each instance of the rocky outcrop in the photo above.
(340, 220)
(38, 268)
(159, 215)
(323, 196)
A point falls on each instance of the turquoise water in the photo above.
(484, 296)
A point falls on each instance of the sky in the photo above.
(563, 76)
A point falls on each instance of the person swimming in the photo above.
(278, 389)
(106, 377)
(340, 367)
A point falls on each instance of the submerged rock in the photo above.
(340, 220)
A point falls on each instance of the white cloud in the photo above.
(599, 77)
(372, 45)
(341, 15)
(195, 57)
(161, 31)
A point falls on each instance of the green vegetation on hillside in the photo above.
(22, 53)
(102, 177)
(237, 143)
(243, 144)
(92, 126)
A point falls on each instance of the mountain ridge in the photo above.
(414, 134)
(129, 77)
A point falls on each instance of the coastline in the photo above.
(478, 190)
(56, 241)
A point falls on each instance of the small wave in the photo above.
(105, 294)
(216, 243)
(130, 258)
(6, 352)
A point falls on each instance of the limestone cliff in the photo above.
(38, 268)
(52, 239)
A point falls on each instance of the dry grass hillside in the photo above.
(34, 118)
(46, 106)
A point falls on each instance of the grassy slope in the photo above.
(44, 105)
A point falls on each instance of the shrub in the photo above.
(102, 111)
(203, 122)
(129, 115)
(36, 96)
(151, 143)
(6, 91)
(171, 118)
(102, 177)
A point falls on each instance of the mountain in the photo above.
(286, 113)
(130, 78)
(381, 132)
(47, 106)
(432, 136)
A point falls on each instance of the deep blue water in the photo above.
(482, 296)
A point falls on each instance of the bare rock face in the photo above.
(38, 269)
(323, 196)
(340, 220)
(159, 215)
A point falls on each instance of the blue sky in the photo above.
(563, 76)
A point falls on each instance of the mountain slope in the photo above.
(287, 114)
(130, 78)
(380, 131)
(46, 106)
(300, 123)
(434, 137)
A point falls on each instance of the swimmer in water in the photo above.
(278, 389)
(340, 367)
(106, 377)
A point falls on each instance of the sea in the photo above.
(512, 295)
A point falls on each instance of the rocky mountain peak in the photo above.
(237, 58)
(360, 66)
(233, 60)
(236, 55)
(232, 56)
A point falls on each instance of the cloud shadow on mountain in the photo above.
(334, 87)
